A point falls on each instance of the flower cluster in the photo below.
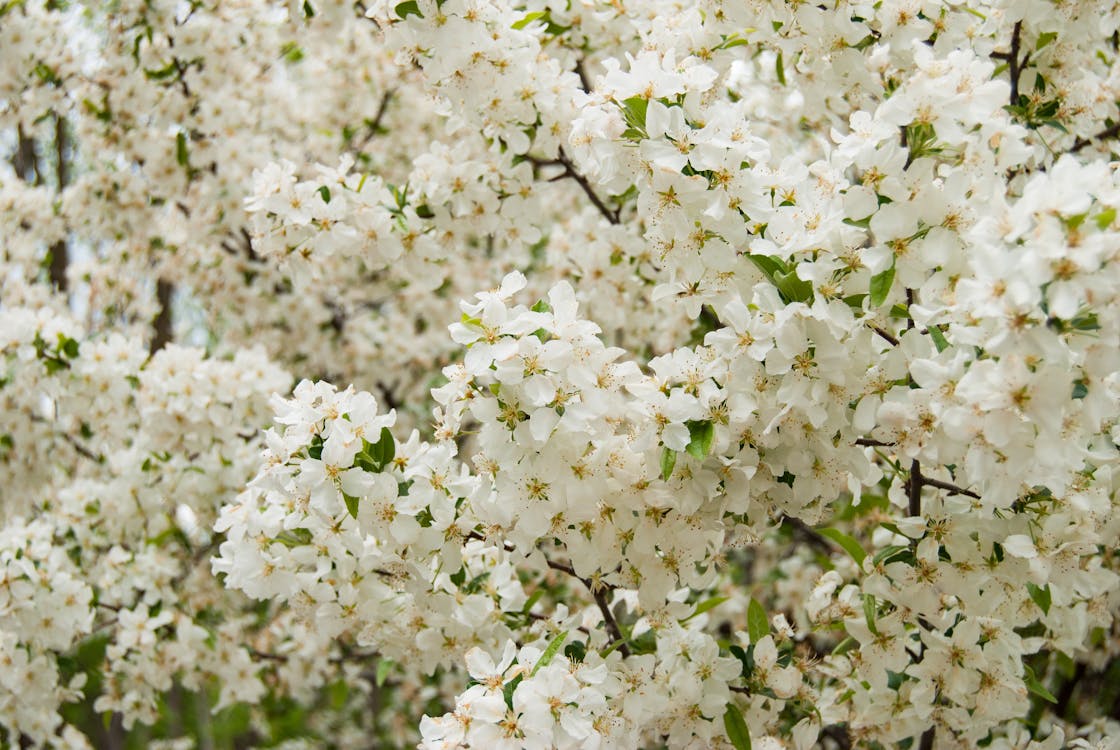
(789, 415)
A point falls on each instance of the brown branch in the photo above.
(926, 742)
(952, 489)
(25, 162)
(1015, 65)
(808, 534)
(374, 125)
(838, 734)
(60, 255)
(584, 82)
(914, 489)
(1104, 135)
(600, 601)
(886, 336)
(162, 326)
(570, 170)
(872, 442)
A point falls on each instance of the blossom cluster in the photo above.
(548, 374)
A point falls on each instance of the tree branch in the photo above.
(562, 160)
(600, 601)
(885, 336)
(914, 489)
(1015, 65)
(952, 489)
(162, 326)
(60, 255)
(1104, 135)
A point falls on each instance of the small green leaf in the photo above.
(668, 461)
(793, 287)
(850, 545)
(1040, 596)
(894, 553)
(532, 600)
(881, 286)
(704, 606)
(758, 626)
(1105, 218)
(351, 504)
(529, 18)
(1080, 390)
(780, 69)
(869, 612)
(325, 193)
(384, 666)
(376, 456)
(699, 438)
(68, 346)
(182, 155)
(938, 338)
(1045, 38)
(404, 10)
(550, 651)
(1036, 687)
(736, 728)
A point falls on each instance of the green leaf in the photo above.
(793, 287)
(529, 18)
(780, 69)
(404, 10)
(869, 612)
(881, 286)
(699, 438)
(1105, 218)
(351, 504)
(850, 545)
(67, 346)
(384, 666)
(550, 651)
(704, 606)
(668, 461)
(182, 155)
(325, 193)
(1045, 38)
(736, 728)
(1036, 687)
(532, 600)
(938, 338)
(1080, 390)
(894, 553)
(376, 456)
(634, 112)
(758, 626)
(1040, 596)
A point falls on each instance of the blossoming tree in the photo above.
(478, 373)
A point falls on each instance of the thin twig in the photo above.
(1015, 66)
(914, 490)
(808, 533)
(571, 171)
(886, 336)
(600, 600)
(375, 124)
(1104, 135)
(584, 82)
(952, 489)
